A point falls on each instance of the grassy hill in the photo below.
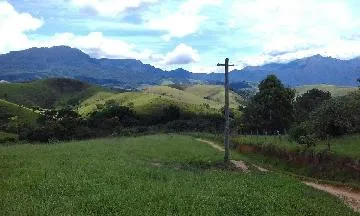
(24, 114)
(144, 103)
(47, 93)
(215, 93)
(153, 99)
(151, 175)
(335, 91)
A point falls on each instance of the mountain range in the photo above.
(62, 61)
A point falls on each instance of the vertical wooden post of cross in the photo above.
(227, 112)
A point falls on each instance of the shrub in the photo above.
(308, 140)
(171, 113)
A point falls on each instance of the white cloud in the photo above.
(340, 49)
(206, 69)
(109, 8)
(182, 54)
(99, 46)
(96, 45)
(183, 22)
(289, 29)
(13, 26)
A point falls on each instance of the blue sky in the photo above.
(192, 34)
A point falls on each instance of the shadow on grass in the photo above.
(196, 166)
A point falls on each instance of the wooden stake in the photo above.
(227, 120)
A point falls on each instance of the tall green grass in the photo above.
(344, 146)
(7, 137)
(151, 175)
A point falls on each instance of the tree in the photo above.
(271, 109)
(112, 116)
(5, 116)
(308, 102)
(171, 113)
(338, 116)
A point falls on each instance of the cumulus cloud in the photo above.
(97, 45)
(285, 30)
(340, 49)
(109, 8)
(13, 26)
(183, 22)
(182, 54)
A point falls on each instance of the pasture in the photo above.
(149, 175)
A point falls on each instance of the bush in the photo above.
(7, 139)
(299, 130)
(171, 113)
(337, 117)
(334, 117)
(308, 140)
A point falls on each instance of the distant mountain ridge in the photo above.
(62, 61)
(307, 71)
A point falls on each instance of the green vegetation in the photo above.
(47, 93)
(338, 164)
(151, 175)
(152, 100)
(308, 102)
(348, 146)
(24, 114)
(215, 93)
(13, 117)
(271, 110)
(7, 137)
(334, 117)
(335, 91)
(144, 104)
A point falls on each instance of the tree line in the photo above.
(306, 118)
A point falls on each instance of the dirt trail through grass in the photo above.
(212, 144)
(238, 164)
(350, 197)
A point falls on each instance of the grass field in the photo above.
(344, 146)
(335, 91)
(151, 175)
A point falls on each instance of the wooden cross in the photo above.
(227, 120)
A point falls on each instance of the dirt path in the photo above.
(350, 197)
(211, 144)
(238, 164)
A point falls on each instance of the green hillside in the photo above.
(144, 103)
(153, 99)
(23, 113)
(47, 93)
(182, 96)
(335, 91)
(215, 93)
